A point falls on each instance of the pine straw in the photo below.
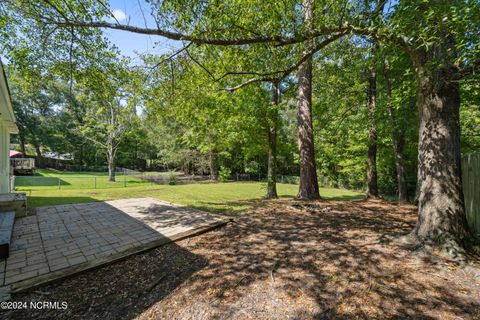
(283, 259)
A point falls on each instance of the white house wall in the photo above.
(4, 157)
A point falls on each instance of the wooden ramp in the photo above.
(63, 240)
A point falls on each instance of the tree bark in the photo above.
(111, 166)
(22, 145)
(80, 157)
(272, 144)
(398, 140)
(398, 147)
(37, 150)
(441, 213)
(372, 181)
(39, 163)
(213, 165)
(308, 188)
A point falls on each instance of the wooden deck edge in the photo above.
(62, 274)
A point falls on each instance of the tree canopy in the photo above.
(378, 95)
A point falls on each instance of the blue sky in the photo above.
(131, 44)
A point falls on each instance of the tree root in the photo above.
(448, 248)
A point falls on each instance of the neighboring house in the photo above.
(7, 127)
(56, 160)
(58, 156)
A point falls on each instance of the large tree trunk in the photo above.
(111, 166)
(308, 188)
(372, 184)
(38, 151)
(441, 213)
(398, 146)
(39, 163)
(272, 144)
(80, 158)
(398, 140)
(22, 145)
(213, 165)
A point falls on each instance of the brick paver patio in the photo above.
(62, 240)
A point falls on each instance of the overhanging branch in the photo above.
(286, 72)
(382, 35)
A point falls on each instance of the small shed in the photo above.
(21, 164)
(15, 154)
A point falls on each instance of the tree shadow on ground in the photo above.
(226, 208)
(342, 197)
(328, 259)
(281, 259)
(117, 291)
(232, 208)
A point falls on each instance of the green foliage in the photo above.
(470, 116)
(172, 178)
(73, 92)
(225, 174)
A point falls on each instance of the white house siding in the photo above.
(7, 126)
(4, 158)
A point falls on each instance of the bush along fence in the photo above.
(471, 191)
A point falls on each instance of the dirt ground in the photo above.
(284, 259)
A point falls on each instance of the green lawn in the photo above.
(48, 179)
(60, 173)
(218, 197)
(57, 173)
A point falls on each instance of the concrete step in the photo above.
(7, 220)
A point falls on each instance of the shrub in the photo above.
(172, 178)
(224, 174)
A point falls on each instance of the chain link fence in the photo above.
(74, 180)
(97, 178)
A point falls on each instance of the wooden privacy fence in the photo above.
(471, 190)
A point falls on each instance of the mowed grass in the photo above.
(48, 179)
(60, 173)
(215, 197)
